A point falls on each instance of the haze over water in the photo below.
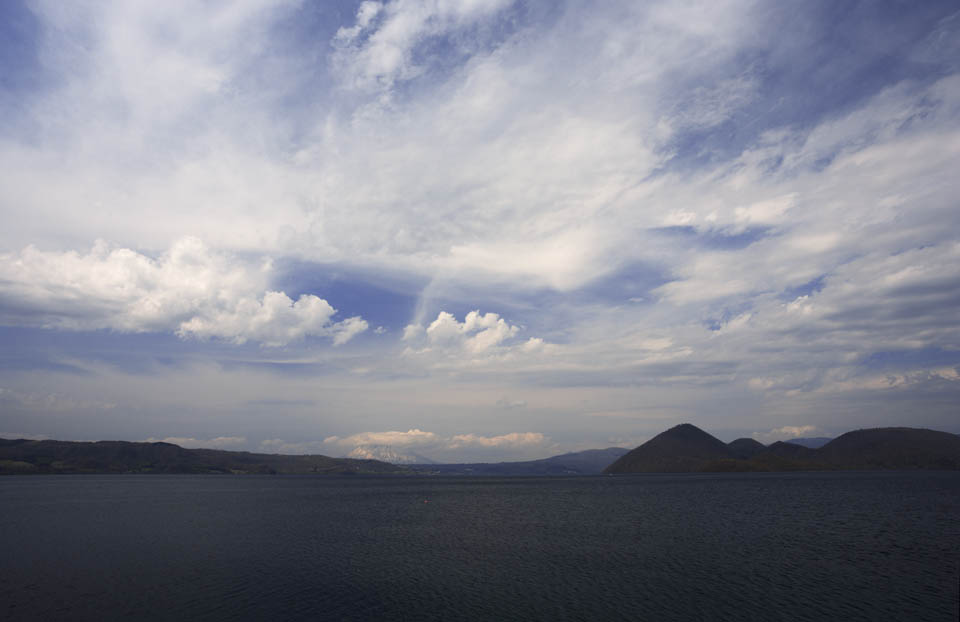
(798, 546)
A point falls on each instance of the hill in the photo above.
(23, 456)
(686, 448)
(681, 449)
(813, 442)
(746, 448)
(892, 448)
(589, 462)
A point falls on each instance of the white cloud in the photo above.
(413, 437)
(785, 433)
(191, 290)
(478, 334)
(456, 447)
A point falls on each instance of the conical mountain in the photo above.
(746, 448)
(681, 449)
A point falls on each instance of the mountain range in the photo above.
(682, 449)
(686, 448)
(26, 456)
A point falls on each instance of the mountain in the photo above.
(589, 462)
(745, 448)
(781, 456)
(892, 448)
(686, 448)
(24, 456)
(783, 449)
(385, 453)
(681, 449)
(815, 442)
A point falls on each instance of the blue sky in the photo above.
(477, 230)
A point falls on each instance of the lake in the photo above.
(771, 546)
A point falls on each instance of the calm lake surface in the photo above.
(808, 546)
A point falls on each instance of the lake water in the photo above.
(807, 546)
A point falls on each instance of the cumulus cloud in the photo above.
(191, 290)
(478, 335)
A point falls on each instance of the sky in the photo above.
(478, 229)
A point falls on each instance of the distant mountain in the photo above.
(589, 462)
(681, 449)
(745, 448)
(24, 456)
(815, 442)
(686, 448)
(385, 453)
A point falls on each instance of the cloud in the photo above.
(220, 442)
(456, 447)
(478, 335)
(785, 433)
(689, 201)
(191, 290)
(413, 437)
(379, 49)
(512, 440)
(50, 402)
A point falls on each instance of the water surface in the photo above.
(808, 546)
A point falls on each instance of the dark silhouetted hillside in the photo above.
(892, 448)
(780, 456)
(813, 442)
(681, 449)
(745, 448)
(686, 448)
(24, 456)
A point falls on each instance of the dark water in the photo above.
(838, 546)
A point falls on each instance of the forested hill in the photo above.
(26, 456)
